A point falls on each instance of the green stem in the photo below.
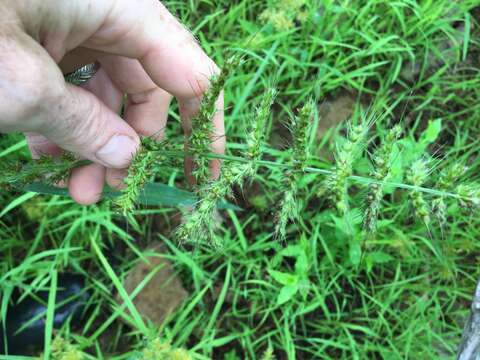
(355, 178)
(44, 169)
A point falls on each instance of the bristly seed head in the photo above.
(199, 225)
(336, 185)
(417, 176)
(448, 179)
(382, 162)
(301, 130)
(203, 133)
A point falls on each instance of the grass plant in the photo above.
(409, 65)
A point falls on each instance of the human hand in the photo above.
(144, 52)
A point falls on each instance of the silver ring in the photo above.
(82, 75)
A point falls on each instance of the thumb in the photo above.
(81, 123)
(35, 98)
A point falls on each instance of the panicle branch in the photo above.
(199, 224)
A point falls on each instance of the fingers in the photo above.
(178, 65)
(170, 56)
(86, 126)
(147, 105)
(86, 184)
(39, 145)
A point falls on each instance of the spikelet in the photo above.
(300, 128)
(448, 179)
(382, 162)
(469, 196)
(417, 176)
(46, 169)
(202, 135)
(257, 133)
(336, 185)
(140, 171)
(268, 354)
(63, 350)
(157, 349)
(198, 225)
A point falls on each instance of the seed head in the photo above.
(417, 176)
(382, 162)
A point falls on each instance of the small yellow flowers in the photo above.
(283, 14)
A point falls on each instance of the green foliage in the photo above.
(401, 292)
(297, 281)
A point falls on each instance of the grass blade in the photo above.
(121, 290)
(50, 315)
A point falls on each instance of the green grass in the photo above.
(326, 291)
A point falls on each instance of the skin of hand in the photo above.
(144, 53)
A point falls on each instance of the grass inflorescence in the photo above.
(17, 174)
(157, 349)
(202, 133)
(140, 171)
(199, 224)
(335, 185)
(447, 181)
(417, 176)
(300, 128)
(382, 164)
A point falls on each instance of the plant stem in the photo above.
(313, 170)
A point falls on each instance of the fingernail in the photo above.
(117, 152)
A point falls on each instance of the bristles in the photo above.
(336, 185)
(199, 225)
(417, 176)
(300, 128)
(203, 134)
(382, 162)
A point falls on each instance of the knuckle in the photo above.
(142, 97)
(82, 120)
(218, 145)
(199, 83)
